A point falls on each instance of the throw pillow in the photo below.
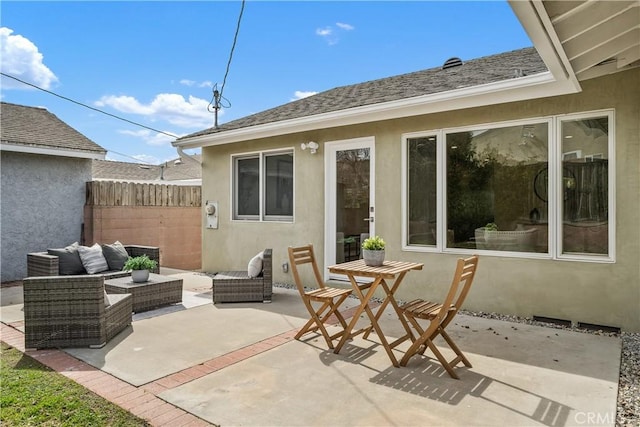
(116, 255)
(255, 266)
(69, 261)
(92, 259)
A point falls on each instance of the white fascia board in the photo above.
(538, 26)
(30, 149)
(517, 89)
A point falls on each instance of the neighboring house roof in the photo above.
(185, 171)
(573, 41)
(36, 130)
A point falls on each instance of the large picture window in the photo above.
(531, 188)
(490, 193)
(263, 186)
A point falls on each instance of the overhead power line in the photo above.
(103, 112)
(88, 106)
(217, 96)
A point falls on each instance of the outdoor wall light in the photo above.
(311, 145)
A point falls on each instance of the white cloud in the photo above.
(344, 26)
(192, 83)
(145, 158)
(21, 58)
(170, 107)
(323, 32)
(299, 94)
(331, 35)
(149, 137)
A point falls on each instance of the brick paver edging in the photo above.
(143, 401)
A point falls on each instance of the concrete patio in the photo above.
(238, 364)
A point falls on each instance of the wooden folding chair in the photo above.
(439, 316)
(329, 298)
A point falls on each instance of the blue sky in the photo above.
(155, 63)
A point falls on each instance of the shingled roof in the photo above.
(184, 170)
(36, 128)
(489, 69)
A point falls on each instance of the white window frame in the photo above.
(555, 157)
(440, 242)
(262, 216)
(611, 256)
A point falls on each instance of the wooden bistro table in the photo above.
(390, 270)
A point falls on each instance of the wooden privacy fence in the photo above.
(113, 193)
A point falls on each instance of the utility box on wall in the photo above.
(211, 209)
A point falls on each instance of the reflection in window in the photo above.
(502, 192)
(267, 177)
(422, 191)
(353, 169)
(279, 185)
(496, 188)
(247, 187)
(585, 184)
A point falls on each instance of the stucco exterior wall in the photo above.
(597, 293)
(42, 200)
(175, 230)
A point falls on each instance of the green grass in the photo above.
(31, 394)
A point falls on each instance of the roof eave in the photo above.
(33, 149)
(536, 22)
(529, 87)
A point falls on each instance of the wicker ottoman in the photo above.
(158, 291)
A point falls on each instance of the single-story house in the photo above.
(529, 158)
(184, 170)
(45, 166)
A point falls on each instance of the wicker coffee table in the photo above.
(156, 292)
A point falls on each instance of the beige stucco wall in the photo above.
(598, 293)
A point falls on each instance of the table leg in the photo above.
(390, 298)
(373, 318)
(364, 305)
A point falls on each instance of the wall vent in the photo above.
(451, 63)
(561, 322)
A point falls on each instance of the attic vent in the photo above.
(452, 62)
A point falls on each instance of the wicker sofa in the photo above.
(237, 286)
(43, 264)
(74, 310)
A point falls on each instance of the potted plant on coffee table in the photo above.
(139, 267)
(373, 251)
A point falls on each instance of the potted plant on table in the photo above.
(373, 251)
(139, 267)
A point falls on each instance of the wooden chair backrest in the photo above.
(304, 255)
(460, 285)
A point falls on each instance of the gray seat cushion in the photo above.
(115, 254)
(69, 261)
